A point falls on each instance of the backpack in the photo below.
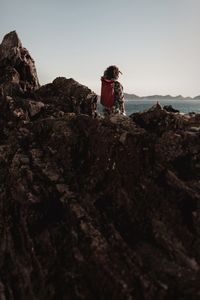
(107, 92)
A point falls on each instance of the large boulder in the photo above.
(17, 68)
(68, 95)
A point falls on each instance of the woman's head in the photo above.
(112, 72)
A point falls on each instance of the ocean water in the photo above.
(185, 106)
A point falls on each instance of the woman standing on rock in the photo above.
(112, 97)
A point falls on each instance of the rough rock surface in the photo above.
(17, 68)
(94, 208)
(69, 96)
(170, 108)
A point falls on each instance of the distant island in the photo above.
(158, 97)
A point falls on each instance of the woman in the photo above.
(112, 97)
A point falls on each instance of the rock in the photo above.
(159, 120)
(18, 78)
(35, 107)
(104, 208)
(169, 108)
(2, 292)
(69, 96)
(17, 68)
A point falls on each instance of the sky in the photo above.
(155, 43)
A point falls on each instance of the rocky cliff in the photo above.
(17, 68)
(95, 208)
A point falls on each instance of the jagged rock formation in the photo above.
(95, 208)
(19, 83)
(170, 108)
(69, 96)
(17, 68)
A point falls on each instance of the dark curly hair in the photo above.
(112, 72)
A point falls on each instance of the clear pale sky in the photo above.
(155, 43)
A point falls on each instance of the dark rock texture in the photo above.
(17, 68)
(69, 96)
(170, 108)
(94, 208)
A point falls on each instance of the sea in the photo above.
(184, 106)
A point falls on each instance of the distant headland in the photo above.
(158, 97)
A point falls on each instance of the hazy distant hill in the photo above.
(197, 97)
(131, 96)
(158, 97)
